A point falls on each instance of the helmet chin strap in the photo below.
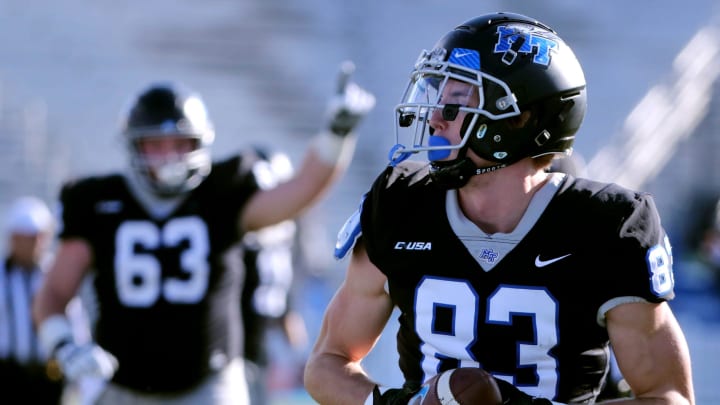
(452, 174)
(456, 173)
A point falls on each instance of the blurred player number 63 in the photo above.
(459, 386)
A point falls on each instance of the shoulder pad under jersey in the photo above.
(349, 233)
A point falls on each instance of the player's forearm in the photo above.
(290, 199)
(323, 164)
(46, 304)
(63, 280)
(332, 151)
(331, 380)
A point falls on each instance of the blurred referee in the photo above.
(25, 374)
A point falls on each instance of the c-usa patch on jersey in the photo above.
(349, 233)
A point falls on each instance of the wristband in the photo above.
(53, 332)
(331, 148)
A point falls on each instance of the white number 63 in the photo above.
(138, 276)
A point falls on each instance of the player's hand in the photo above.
(75, 361)
(350, 104)
(87, 360)
(392, 396)
(513, 396)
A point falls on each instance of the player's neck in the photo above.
(497, 201)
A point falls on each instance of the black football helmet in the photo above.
(169, 110)
(517, 64)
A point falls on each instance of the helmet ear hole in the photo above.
(505, 140)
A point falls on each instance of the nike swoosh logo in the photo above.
(543, 263)
(460, 55)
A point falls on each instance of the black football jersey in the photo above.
(536, 317)
(167, 289)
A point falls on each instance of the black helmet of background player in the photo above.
(531, 91)
(168, 110)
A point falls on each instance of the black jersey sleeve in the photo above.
(391, 187)
(643, 240)
(234, 177)
(69, 212)
(77, 198)
(621, 232)
(230, 185)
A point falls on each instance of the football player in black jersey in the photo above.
(161, 241)
(492, 261)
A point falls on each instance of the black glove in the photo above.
(350, 105)
(513, 396)
(393, 396)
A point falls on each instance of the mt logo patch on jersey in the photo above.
(488, 255)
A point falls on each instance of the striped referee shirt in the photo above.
(18, 340)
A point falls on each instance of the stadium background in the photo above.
(266, 68)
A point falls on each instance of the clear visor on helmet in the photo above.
(450, 90)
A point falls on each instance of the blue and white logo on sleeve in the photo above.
(349, 233)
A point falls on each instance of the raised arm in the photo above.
(328, 157)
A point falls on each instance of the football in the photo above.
(459, 386)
